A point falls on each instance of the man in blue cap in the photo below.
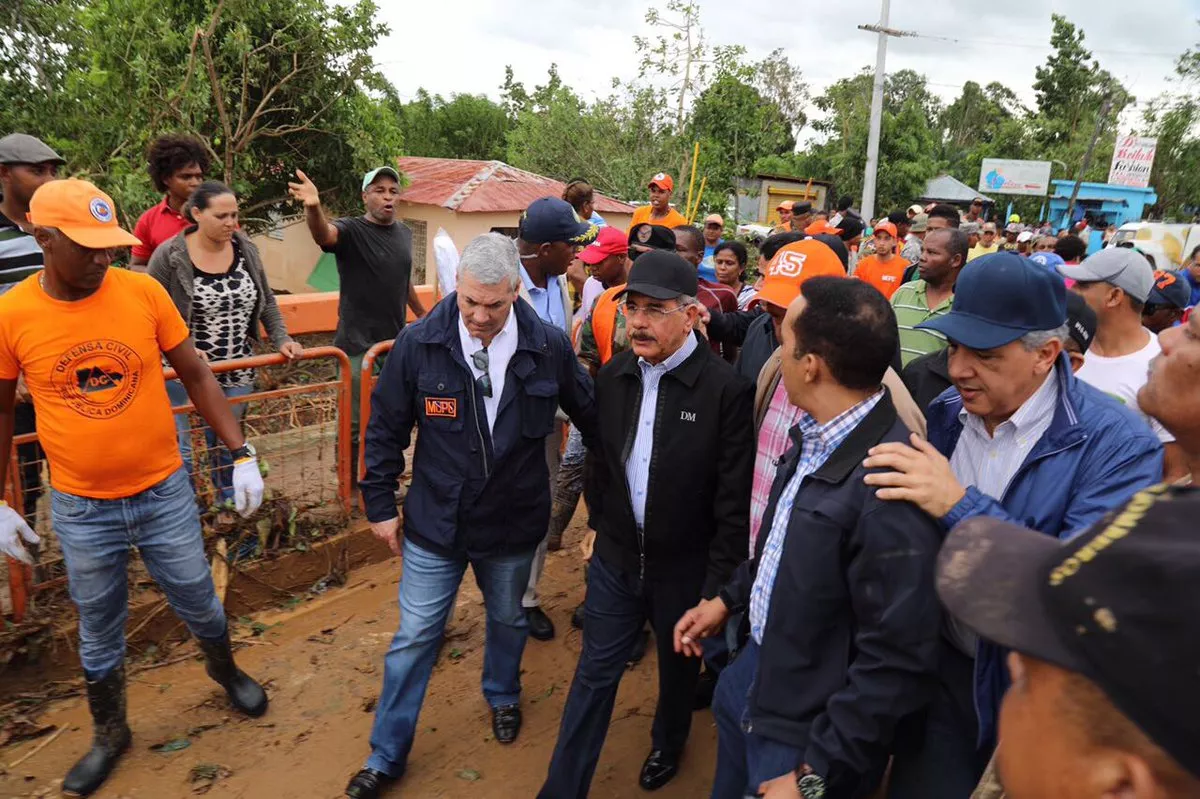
(1019, 438)
(1169, 299)
(550, 236)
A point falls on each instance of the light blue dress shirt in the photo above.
(637, 468)
(548, 302)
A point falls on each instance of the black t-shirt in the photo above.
(374, 266)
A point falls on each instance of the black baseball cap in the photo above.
(851, 227)
(1170, 290)
(662, 275)
(656, 237)
(1116, 603)
(798, 209)
(997, 299)
(1081, 321)
(551, 219)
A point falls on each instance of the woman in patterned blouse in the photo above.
(215, 276)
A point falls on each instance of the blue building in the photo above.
(1106, 203)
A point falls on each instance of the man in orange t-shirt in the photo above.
(659, 211)
(89, 341)
(884, 270)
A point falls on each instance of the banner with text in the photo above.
(1133, 156)
(1008, 176)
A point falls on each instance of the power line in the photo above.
(1033, 46)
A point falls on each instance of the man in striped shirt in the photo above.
(943, 255)
(25, 164)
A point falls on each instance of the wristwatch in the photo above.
(809, 784)
(244, 452)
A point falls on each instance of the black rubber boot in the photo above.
(111, 736)
(245, 694)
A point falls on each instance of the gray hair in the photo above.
(1039, 338)
(685, 300)
(491, 258)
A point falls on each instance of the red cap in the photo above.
(663, 181)
(609, 241)
(889, 228)
(791, 266)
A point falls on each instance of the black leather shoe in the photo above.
(367, 784)
(577, 617)
(540, 626)
(506, 723)
(659, 769)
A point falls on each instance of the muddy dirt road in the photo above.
(323, 662)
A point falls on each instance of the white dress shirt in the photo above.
(637, 468)
(500, 352)
(990, 462)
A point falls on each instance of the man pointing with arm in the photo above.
(374, 264)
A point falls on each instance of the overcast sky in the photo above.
(463, 46)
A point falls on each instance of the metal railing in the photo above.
(301, 430)
(366, 387)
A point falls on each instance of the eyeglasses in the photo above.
(484, 381)
(655, 313)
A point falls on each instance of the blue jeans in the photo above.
(616, 607)
(427, 590)
(745, 760)
(96, 536)
(219, 460)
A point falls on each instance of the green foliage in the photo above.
(465, 126)
(268, 85)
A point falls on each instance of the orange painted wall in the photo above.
(318, 312)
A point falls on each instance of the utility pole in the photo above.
(872, 169)
(1087, 155)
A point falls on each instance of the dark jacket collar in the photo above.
(849, 455)
(687, 372)
(440, 326)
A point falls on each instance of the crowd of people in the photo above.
(904, 502)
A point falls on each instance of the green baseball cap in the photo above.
(370, 177)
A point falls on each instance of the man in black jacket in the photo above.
(669, 494)
(842, 610)
(480, 361)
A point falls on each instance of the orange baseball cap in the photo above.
(889, 228)
(822, 227)
(81, 211)
(793, 265)
(786, 205)
(663, 181)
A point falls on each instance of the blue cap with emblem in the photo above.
(550, 219)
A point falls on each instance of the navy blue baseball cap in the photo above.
(999, 298)
(550, 219)
(1169, 289)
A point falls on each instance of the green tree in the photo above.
(1071, 90)
(615, 143)
(268, 85)
(465, 126)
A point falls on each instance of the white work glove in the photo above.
(247, 486)
(12, 529)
